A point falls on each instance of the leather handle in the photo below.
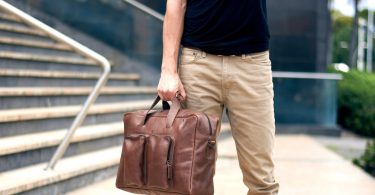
(176, 106)
(173, 110)
(156, 101)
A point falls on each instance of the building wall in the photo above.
(114, 22)
(299, 34)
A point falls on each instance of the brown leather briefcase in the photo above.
(170, 151)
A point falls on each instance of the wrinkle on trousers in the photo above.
(242, 84)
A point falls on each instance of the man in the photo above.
(225, 62)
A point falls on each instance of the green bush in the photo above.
(367, 160)
(356, 102)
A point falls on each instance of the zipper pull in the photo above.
(211, 143)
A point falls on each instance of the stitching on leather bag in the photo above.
(194, 149)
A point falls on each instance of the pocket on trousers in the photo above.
(134, 160)
(189, 56)
(259, 58)
(160, 151)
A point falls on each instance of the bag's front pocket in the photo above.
(134, 148)
(160, 149)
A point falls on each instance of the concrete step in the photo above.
(9, 17)
(70, 173)
(67, 100)
(15, 35)
(6, 63)
(32, 141)
(24, 77)
(24, 150)
(37, 51)
(28, 97)
(31, 120)
(21, 30)
(64, 111)
(14, 23)
(34, 43)
(106, 186)
(66, 74)
(71, 91)
(46, 58)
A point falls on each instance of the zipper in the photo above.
(170, 158)
(209, 123)
(211, 142)
(144, 164)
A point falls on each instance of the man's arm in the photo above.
(170, 82)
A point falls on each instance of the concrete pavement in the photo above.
(303, 167)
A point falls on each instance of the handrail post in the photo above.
(104, 63)
(80, 117)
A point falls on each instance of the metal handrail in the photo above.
(83, 50)
(146, 9)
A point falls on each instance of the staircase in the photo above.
(43, 84)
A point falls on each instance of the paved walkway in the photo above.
(349, 145)
(303, 167)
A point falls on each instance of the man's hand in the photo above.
(169, 85)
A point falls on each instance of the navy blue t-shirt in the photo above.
(226, 27)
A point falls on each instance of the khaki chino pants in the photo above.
(243, 84)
